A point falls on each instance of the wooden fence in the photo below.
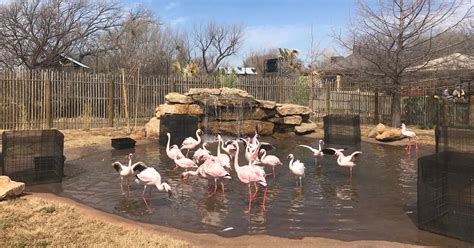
(67, 100)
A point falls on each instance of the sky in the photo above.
(267, 23)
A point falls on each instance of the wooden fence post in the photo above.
(171, 85)
(110, 103)
(280, 90)
(328, 99)
(376, 107)
(48, 102)
(125, 100)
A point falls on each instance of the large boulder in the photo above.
(293, 109)
(174, 97)
(379, 129)
(267, 104)
(253, 114)
(138, 134)
(247, 127)
(234, 92)
(9, 188)
(152, 128)
(390, 135)
(179, 109)
(289, 120)
(306, 127)
(203, 91)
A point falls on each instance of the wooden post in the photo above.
(171, 85)
(125, 99)
(328, 99)
(48, 102)
(110, 102)
(376, 107)
(280, 91)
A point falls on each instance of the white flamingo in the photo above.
(269, 160)
(125, 171)
(150, 177)
(410, 135)
(346, 161)
(317, 153)
(191, 143)
(223, 159)
(173, 151)
(202, 154)
(296, 167)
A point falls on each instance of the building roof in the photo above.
(239, 70)
(455, 61)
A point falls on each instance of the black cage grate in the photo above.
(179, 126)
(342, 129)
(446, 194)
(33, 156)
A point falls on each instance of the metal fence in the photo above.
(77, 100)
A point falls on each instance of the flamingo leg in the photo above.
(250, 198)
(128, 186)
(187, 153)
(264, 198)
(256, 190)
(416, 144)
(215, 185)
(222, 185)
(121, 185)
(144, 199)
(350, 168)
(301, 184)
(273, 172)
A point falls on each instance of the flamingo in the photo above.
(201, 154)
(191, 143)
(125, 171)
(172, 152)
(227, 148)
(317, 153)
(248, 174)
(209, 170)
(149, 177)
(184, 162)
(223, 159)
(269, 160)
(346, 161)
(411, 135)
(296, 167)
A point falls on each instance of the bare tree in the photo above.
(393, 36)
(215, 42)
(34, 33)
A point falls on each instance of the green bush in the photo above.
(302, 92)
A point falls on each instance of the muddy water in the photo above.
(378, 203)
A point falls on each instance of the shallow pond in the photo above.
(378, 203)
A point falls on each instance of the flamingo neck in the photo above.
(198, 137)
(291, 162)
(160, 186)
(218, 146)
(168, 144)
(236, 160)
(264, 155)
(320, 148)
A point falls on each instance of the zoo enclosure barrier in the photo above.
(41, 99)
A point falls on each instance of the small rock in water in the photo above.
(227, 229)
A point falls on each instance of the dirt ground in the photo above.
(31, 220)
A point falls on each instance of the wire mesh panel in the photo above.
(342, 129)
(179, 126)
(446, 194)
(33, 156)
(459, 138)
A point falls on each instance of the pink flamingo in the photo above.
(411, 135)
(296, 167)
(317, 153)
(223, 159)
(269, 160)
(202, 154)
(125, 171)
(346, 161)
(227, 148)
(191, 143)
(172, 152)
(248, 174)
(184, 162)
(210, 169)
(149, 177)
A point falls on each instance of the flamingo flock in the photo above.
(217, 168)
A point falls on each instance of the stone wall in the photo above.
(235, 112)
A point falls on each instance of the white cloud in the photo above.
(171, 5)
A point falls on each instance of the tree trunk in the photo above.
(396, 107)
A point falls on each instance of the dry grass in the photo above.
(82, 138)
(41, 223)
